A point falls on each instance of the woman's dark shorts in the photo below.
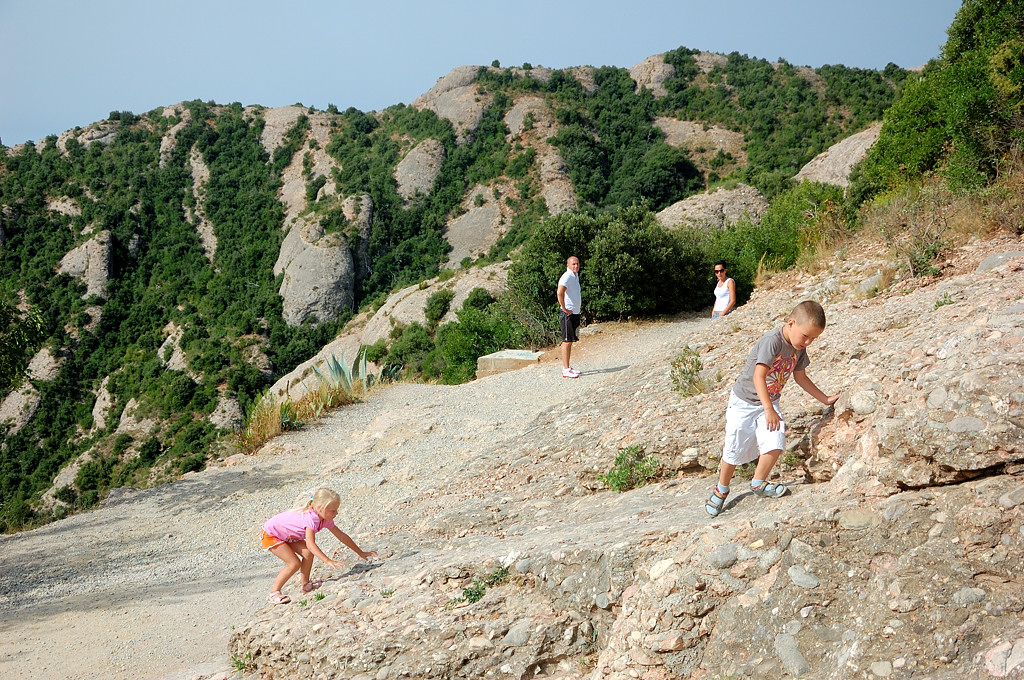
(569, 323)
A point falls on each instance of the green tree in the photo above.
(20, 337)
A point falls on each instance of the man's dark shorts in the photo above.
(569, 324)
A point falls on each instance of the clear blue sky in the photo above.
(65, 63)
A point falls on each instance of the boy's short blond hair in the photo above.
(809, 313)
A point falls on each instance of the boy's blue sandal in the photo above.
(715, 502)
(769, 490)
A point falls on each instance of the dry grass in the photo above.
(269, 418)
(920, 223)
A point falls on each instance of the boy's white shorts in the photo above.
(746, 433)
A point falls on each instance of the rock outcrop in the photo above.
(90, 262)
(170, 139)
(704, 143)
(455, 98)
(531, 122)
(404, 307)
(475, 230)
(200, 178)
(101, 408)
(319, 274)
(651, 74)
(716, 209)
(418, 170)
(319, 269)
(18, 407)
(833, 165)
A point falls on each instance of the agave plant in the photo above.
(338, 374)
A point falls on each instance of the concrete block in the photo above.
(505, 360)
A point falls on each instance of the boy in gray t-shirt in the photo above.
(754, 430)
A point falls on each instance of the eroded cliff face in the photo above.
(897, 553)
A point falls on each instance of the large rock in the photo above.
(455, 98)
(716, 209)
(833, 165)
(90, 262)
(651, 74)
(477, 229)
(417, 172)
(319, 274)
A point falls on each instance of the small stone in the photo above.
(666, 642)
(882, 669)
(864, 403)
(523, 566)
(723, 557)
(602, 601)
(518, 635)
(966, 424)
(789, 654)
(1012, 499)
(966, 596)
(802, 578)
(806, 611)
(659, 568)
(856, 520)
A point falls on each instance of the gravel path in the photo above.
(150, 585)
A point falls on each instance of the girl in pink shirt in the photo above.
(291, 536)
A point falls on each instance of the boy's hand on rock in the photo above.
(369, 556)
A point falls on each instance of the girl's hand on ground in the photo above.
(368, 556)
(337, 564)
(833, 399)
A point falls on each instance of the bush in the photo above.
(631, 470)
(686, 373)
(437, 306)
(410, 348)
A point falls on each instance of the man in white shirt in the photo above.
(569, 317)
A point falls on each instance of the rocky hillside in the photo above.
(897, 554)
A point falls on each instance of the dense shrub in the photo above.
(630, 265)
(963, 112)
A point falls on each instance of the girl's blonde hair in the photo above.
(320, 499)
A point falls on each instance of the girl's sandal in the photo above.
(715, 502)
(277, 597)
(769, 490)
(312, 585)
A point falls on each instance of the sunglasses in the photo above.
(719, 271)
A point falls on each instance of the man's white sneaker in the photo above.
(570, 373)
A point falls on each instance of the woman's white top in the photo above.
(721, 296)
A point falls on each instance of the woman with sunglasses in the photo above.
(725, 292)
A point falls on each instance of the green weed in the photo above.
(943, 301)
(631, 470)
(686, 373)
